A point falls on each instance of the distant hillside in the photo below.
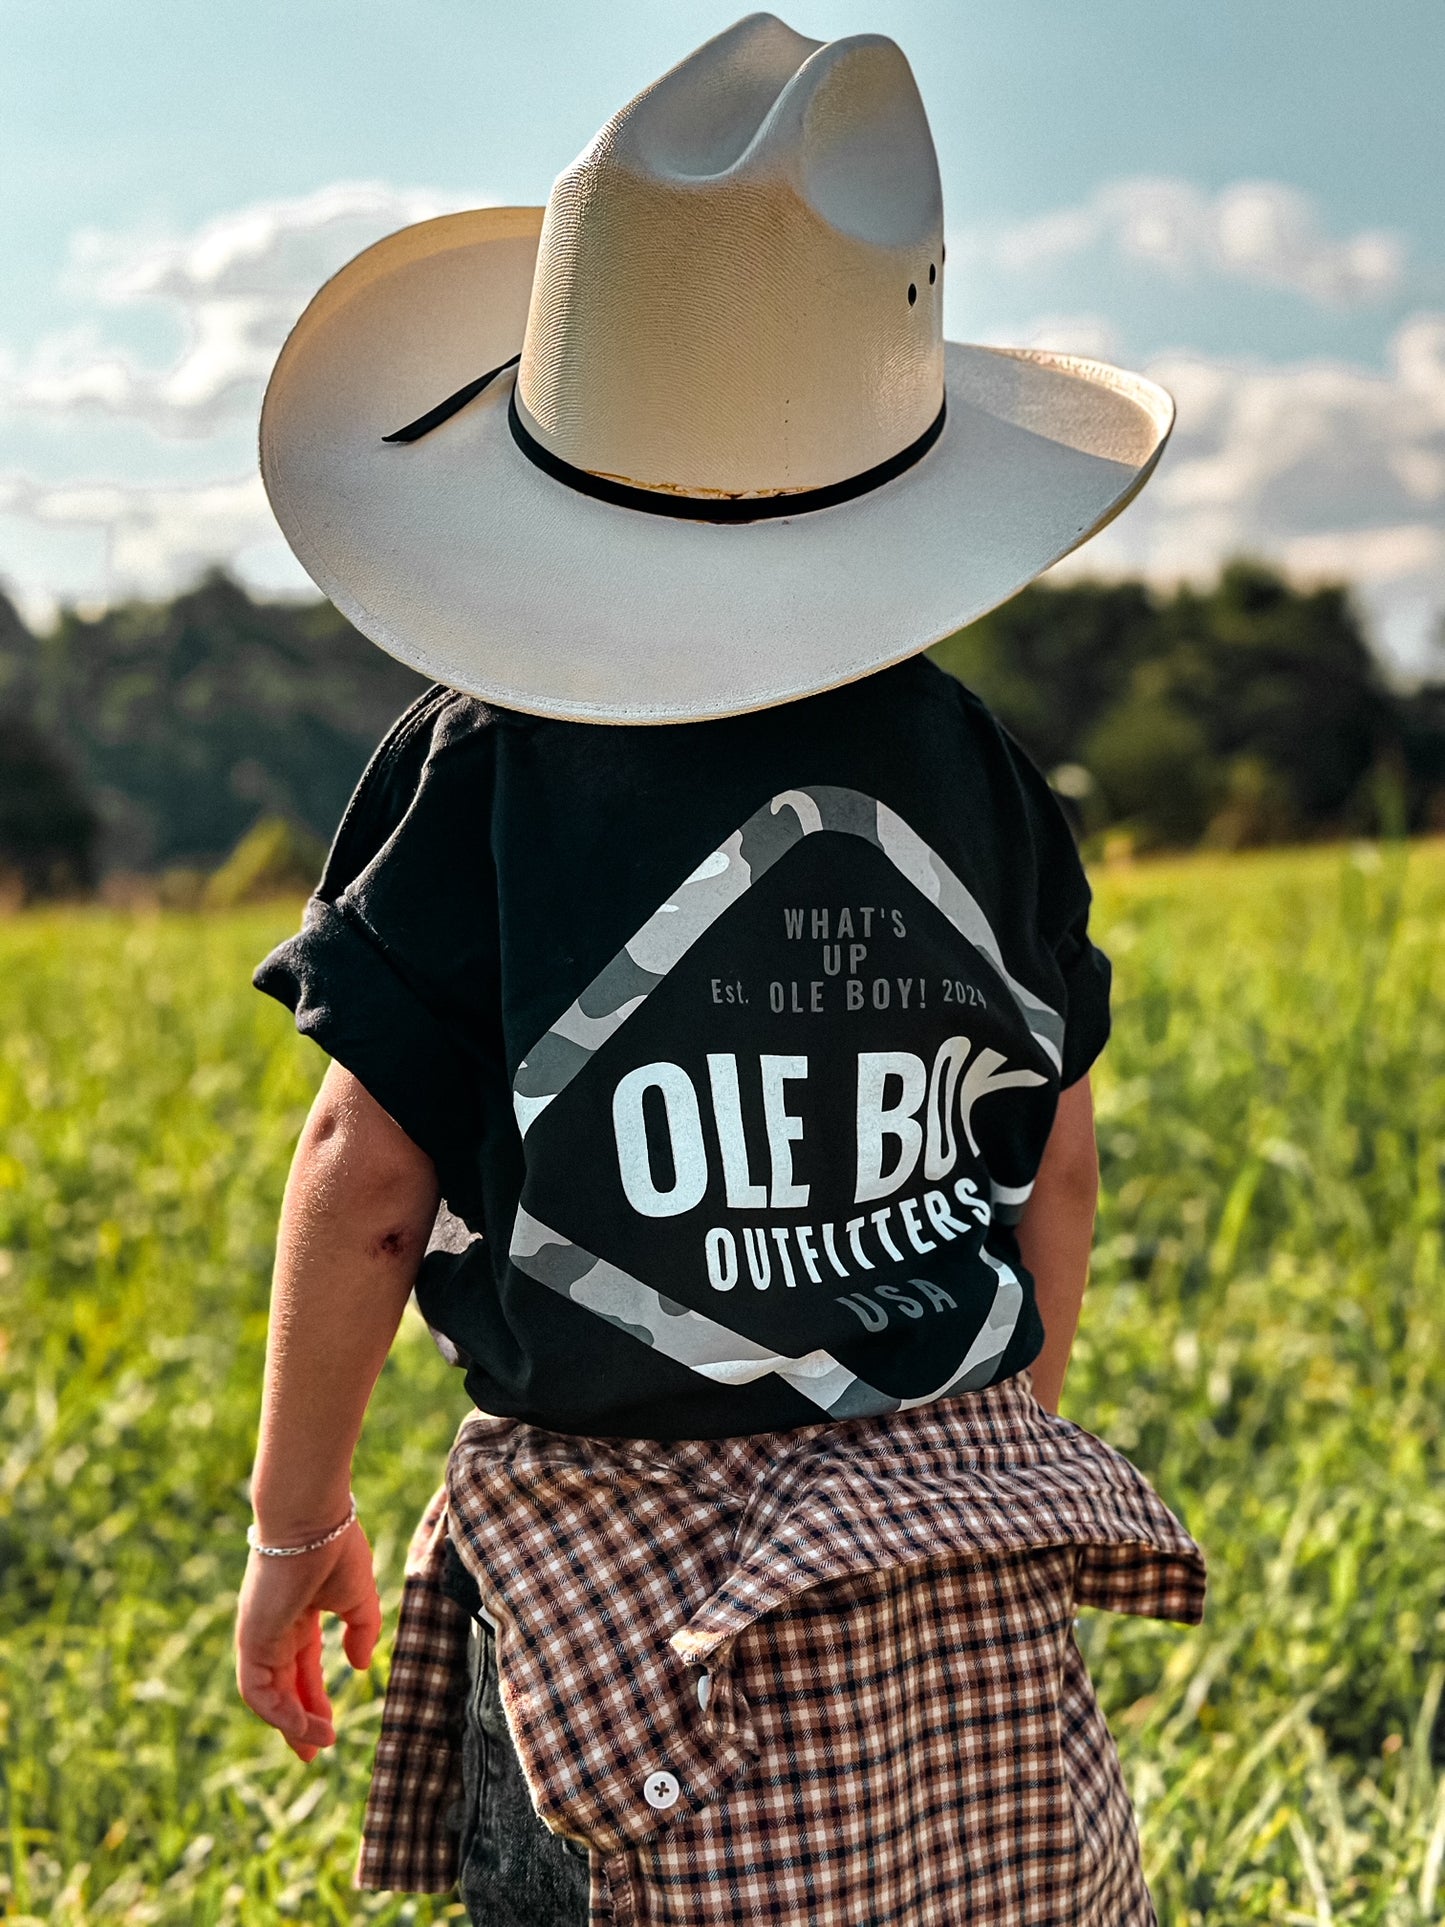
(156, 735)
(1250, 712)
(185, 721)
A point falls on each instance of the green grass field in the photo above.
(1264, 1336)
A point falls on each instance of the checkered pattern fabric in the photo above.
(413, 1810)
(930, 1753)
(821, 1676)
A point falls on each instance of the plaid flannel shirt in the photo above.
(822, 1676)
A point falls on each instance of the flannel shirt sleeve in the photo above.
(1147, 1581)
(410, 1833)
(1064, 902)
(395, 972)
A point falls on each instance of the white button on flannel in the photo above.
(704, 1690)
(661, 1790)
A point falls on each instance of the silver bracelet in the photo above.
(253, 1539)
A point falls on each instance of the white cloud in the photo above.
(1335, 470)
(1258, 231)
(236, 286)
(154, 539)
(1330, 467)
(1090, 335)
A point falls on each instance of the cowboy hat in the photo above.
(689, 441)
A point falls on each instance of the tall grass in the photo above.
(148, 1102)
(1264, 1335)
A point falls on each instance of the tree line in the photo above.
(153, 736)
(1247, 713)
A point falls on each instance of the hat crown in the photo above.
(738, 287)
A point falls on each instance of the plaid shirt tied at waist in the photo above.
(621, 1573)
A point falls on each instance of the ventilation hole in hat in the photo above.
(912, 294)
(932, 274)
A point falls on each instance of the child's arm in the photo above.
(359, 1205)
(1057, 1231)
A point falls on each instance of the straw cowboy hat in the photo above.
(689, 442)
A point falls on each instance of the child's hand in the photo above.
(278, 1634)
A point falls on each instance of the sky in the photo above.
(1243, 198)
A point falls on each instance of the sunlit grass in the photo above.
(1265, 1336)
(148, 1103)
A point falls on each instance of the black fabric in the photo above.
(792, 959)
(654, 501)
(697, 508)
(511, 1872)
(459, 1584)
(453, 405)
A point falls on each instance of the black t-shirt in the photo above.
(736, 1045)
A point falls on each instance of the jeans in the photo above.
(513, 1872)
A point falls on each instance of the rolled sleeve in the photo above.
(1062, 902)
(349, 997)
(394, 972)
(1088, 977)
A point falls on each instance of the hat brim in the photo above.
(464, 560)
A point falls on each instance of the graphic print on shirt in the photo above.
(775, 1133)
